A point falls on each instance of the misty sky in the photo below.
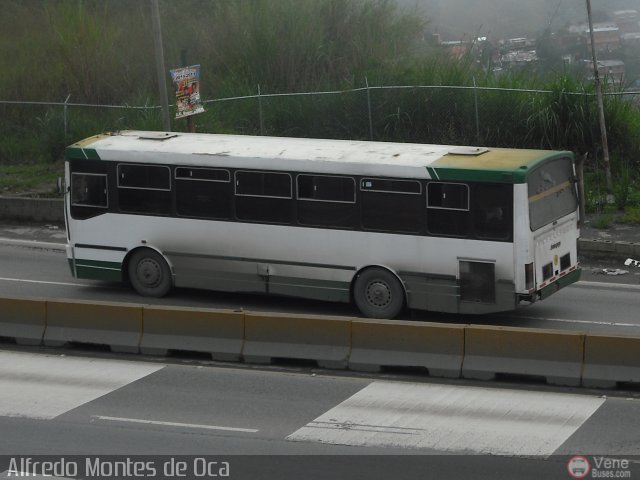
(507, 18)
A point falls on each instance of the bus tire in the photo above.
(378, 293)
(149, 273)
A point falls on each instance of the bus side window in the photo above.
(392, 205)
(448, 209)
(144, 189)
(492, 212)
(203, 193)
(326, 201)
(263, 196)
(89, 195)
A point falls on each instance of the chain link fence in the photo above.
(446, 114)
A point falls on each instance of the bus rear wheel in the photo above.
(378, 294)
(149, 273)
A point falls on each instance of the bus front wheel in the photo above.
(378, 293)
(149, 273)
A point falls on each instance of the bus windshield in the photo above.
(552, 192)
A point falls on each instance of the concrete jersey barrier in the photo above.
(326, 340)
(23, 319)
(47, 210)
(219, 333)
(471, 351)
(378, 343)
(557, 356)
(118, 325)
(610, 359)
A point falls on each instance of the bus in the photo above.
(387, 226)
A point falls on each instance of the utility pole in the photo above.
(159, 53)
(603, 127)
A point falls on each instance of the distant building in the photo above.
(606, 37)
(631, 39)
(628, 21)
(518, 59)
(520, 43)
(611, 70)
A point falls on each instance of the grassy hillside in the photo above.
(101, 51)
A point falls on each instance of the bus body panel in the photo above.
(447, 274)
(222, 256)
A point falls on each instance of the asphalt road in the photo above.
(600, 303)
(297, 422)
(311, 424)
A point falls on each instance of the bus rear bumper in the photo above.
(561, 282)
(552, 288)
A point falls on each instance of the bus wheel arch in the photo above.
(148, 271)
(378, 292)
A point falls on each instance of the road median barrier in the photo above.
(326, 340)
(219, 333)
(437, 347)
(610, 359)
(118, 325)
(555, 355)
(23, 319)
(627, 248)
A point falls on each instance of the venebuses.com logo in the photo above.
(579, 466)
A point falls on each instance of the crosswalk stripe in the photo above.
(457, 419)
(46, 386)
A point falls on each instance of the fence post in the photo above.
(260, 111)
(475, 101)
(65, 116)
(369, 108)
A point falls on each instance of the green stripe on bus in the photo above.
(327, 290)
(465, 175)
(98, 270)
(76, 153)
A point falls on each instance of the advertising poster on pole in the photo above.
(187, 84)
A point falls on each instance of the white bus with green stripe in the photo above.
(387, 226)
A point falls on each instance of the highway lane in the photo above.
(56, 403)
(596, 305)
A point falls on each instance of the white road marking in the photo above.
(174, 424)
(46, 386)
(607, 285)
(34, 244)
(31, 476)
(569, 320)
(43, 282)
(452, 419)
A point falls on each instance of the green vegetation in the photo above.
(631, 215)
(101, 52)
(39, 178)
(603, 222)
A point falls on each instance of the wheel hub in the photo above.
(379, 294)
(149, 272)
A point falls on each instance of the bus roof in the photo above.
(408, 160)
